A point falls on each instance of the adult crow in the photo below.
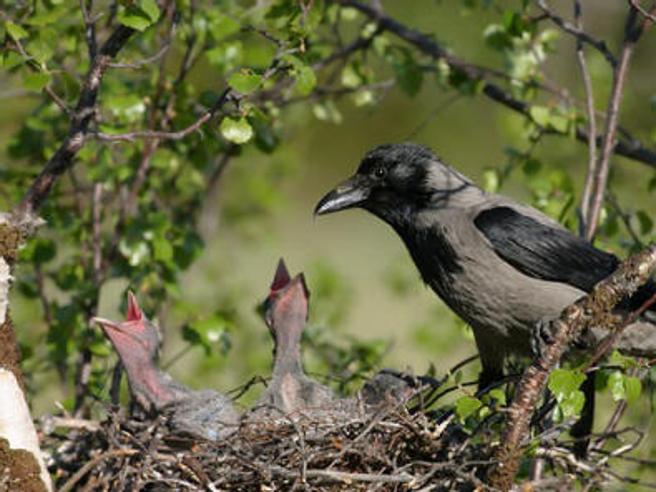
(501, 266)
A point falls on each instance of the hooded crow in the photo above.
(503, 267)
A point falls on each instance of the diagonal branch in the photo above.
(648, 15)
(62, 159)
(628, 147)
(591, 310)
(576, 31)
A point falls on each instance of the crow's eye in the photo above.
(380, 172)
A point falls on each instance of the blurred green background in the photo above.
(363, 283)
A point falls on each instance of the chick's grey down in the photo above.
(500, 265)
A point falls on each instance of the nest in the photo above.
(387, 449)
(395, 446)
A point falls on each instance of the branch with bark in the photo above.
(84, 112)
(590, 311)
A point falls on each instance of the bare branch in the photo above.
(90, 27)
(592, 122)
(632, 33)
(648, 15)
(146, 61)
(577, 31)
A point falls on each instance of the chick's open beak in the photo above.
(350, 193)
(105, 323)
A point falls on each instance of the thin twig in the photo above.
(649, 15)
(578, 32)
(79, 475)
(632, 33)
(591, 120)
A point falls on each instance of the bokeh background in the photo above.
(363, 283)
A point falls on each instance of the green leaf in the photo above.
(162, 249)
(306, 80)
(136, 252)
(559, 123)
(11, 60)
(209, 332)
(150, 8)
(491, 180)
(237, 131)
(35, 81)
(624, 387)
(39, 251)
(499, 395)
(616, 384)
(134, 17)
(540, 114)
(350, 77)
(16, 31)
(646, 224)
(327, 111)
(467, 406)
(572, 404)
(222, 26)
(632, 388)
(245, 81)
(564, 381)
(408, 74)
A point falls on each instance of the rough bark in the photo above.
(593, 310)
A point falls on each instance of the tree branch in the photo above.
(629, 147)
(648, 15)
(632, 33)
(62, 159)
(578, 32)
(591, 310)
(592, 123)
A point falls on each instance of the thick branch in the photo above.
(628, 147)
(62, 159)
(591, 310)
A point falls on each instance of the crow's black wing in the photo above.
(544, 252)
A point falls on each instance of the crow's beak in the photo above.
(350, 193)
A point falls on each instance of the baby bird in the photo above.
(205, 413)
(285, 313)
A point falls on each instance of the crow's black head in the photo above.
(394, 181)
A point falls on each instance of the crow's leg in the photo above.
(583, 426)
(492, 358)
